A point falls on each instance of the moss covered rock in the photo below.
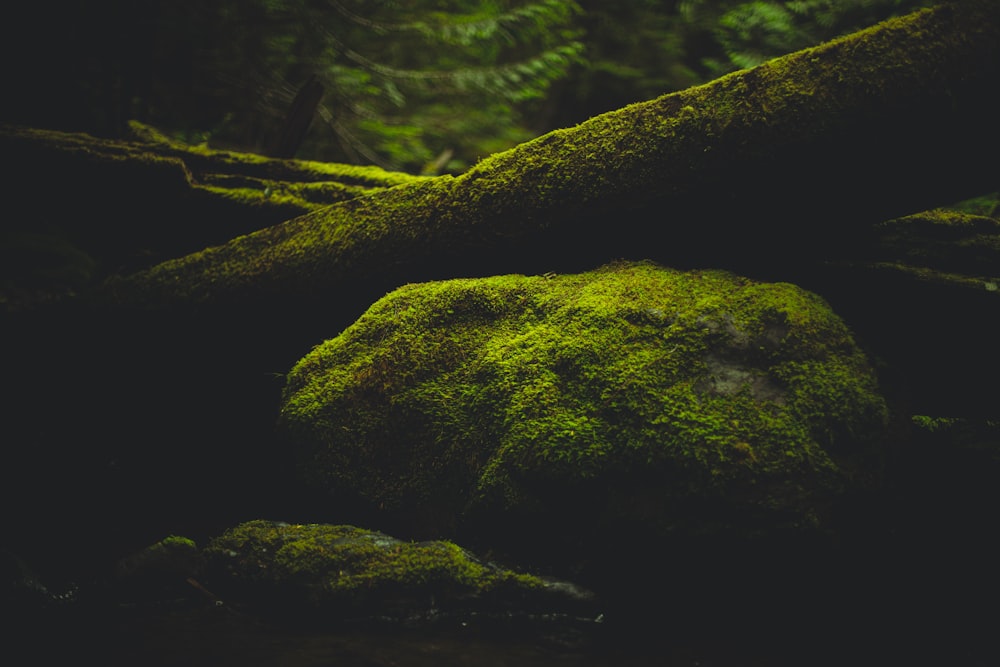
(566, 408)
(156, 573)
(349, 572)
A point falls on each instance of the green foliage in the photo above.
(749, 33)
(424, 86)
(403, 84)
(635, 51)
(639, 49)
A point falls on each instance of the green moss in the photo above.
(173, 557)
(178, 542)
(190, 197)
(505, 392)
(950, 243)
(933, 424)
(348, 567)
(298, 251)
(208, 160)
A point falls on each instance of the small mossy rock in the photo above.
(560, 410)
(158, 572)
(350, 573)
(173, 556)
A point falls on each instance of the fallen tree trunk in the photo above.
(792, 156)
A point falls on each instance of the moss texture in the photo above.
(348, 571)
(686, 402)
(208, 162)
(173, 557)
(144, 201)
(299, 185)
(824, 124)
(945, 242)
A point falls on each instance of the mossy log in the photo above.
(774, 166)
(101, 206)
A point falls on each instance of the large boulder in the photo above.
(549, 415)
